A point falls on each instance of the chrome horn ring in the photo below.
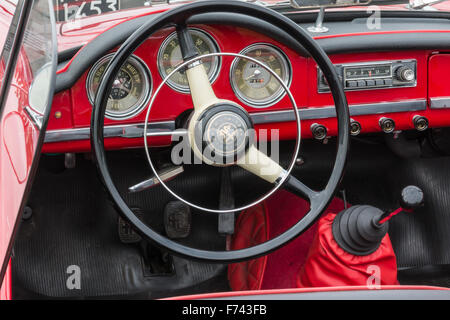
(287, 172)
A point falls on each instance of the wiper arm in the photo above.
(420, 4)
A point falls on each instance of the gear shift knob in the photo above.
(411, 198)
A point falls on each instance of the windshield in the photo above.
(70, 10)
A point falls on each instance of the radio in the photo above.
(373, 75)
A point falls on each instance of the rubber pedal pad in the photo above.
(177, 220)
(126, 232)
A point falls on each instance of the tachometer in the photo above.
(130, 91)
(169, 56)
(253, 84)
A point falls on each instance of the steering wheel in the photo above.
(210, 111)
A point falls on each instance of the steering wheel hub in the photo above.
(223, 134)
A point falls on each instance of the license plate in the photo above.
(67, 10)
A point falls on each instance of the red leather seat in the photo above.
(266, 221)
(252, 228)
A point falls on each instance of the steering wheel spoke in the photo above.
(261, 165)
(202, 93)
(300, 189)
(266, 168)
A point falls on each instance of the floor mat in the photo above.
(423, 237)
(75, 224)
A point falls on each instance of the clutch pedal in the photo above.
(126, 232)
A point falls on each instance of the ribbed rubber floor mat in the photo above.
(423, 237)
(74, 224)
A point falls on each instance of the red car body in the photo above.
(74, 107)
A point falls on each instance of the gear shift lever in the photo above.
(353, 247)
(411, 198)
(360, 229)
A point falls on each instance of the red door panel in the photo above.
(27, 70)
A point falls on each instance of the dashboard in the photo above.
(386, 90)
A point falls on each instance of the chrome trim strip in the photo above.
(330, 112)
(440, 103)
(137, 130)
(114, 131)
(35, 117)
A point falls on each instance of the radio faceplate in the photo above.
(373, 75)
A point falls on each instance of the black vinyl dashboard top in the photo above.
(360, 37)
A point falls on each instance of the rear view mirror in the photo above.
(313, 4)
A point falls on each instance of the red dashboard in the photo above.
(68, 128)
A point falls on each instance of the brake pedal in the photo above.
(177, 220)
(126, 232)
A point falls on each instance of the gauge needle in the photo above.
(118, 84)
(124, 82)
(255, 73)
(125, 89)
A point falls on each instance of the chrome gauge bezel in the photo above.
(215, 66)
(143, 99)
(280, 93)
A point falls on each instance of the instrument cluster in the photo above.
(251, 83)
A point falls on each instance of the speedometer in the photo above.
(253, 84)
(130, 91)
(169, 56)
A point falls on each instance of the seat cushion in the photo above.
(252, 228)
(280, 268)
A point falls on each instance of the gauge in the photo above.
(253, 84)
(169, 56)
(130, 91)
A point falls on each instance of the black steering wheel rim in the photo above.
(180, 15)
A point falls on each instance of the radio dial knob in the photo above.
(405, 74)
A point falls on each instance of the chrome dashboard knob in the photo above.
(405, 74)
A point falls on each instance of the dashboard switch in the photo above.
(352, 84)
(387, 125)
(420, 123)
(355, 127)
(362, 83)
(319, 131)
